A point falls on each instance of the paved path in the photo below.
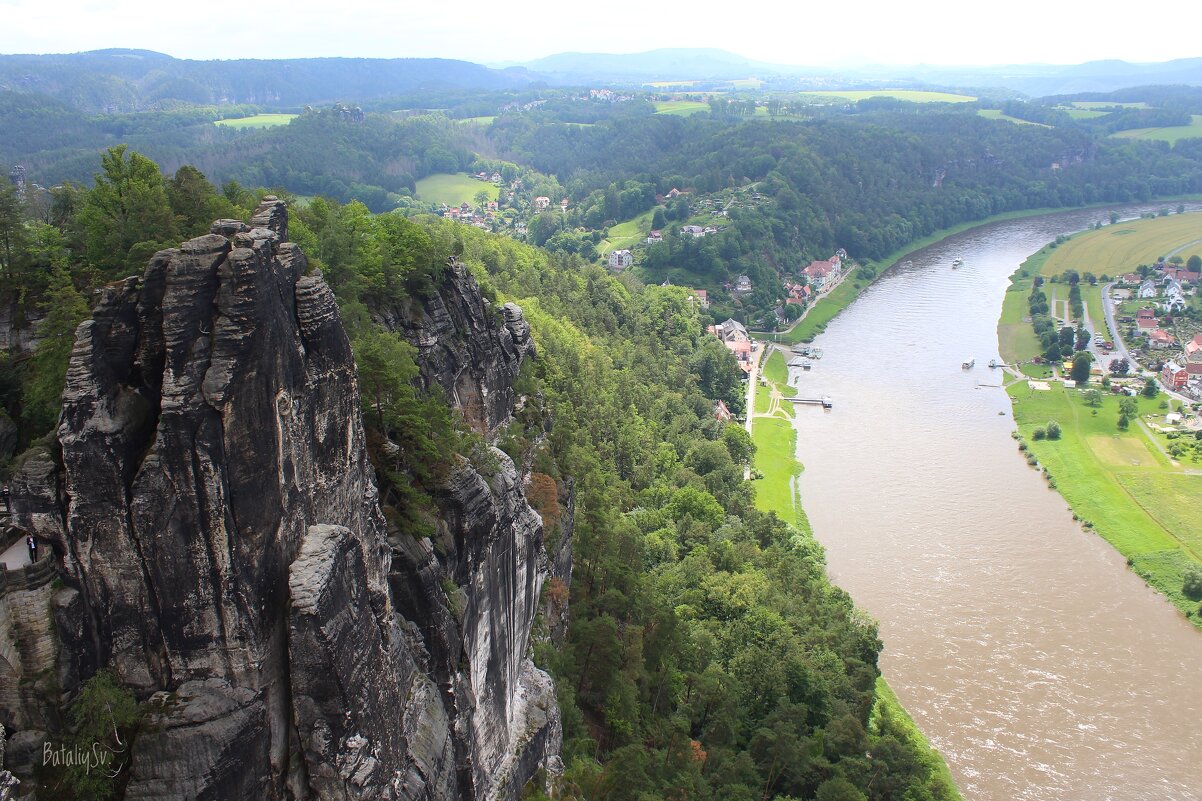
(753, 378)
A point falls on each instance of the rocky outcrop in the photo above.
(468, 348)
(215, 518)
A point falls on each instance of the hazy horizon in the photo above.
(928, 33)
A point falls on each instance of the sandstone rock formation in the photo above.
(215, 517)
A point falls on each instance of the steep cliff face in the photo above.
(215, 511)
(465, 347)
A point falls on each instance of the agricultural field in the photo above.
(680, 108)
(1083, 113)
(1120, 248)
(1170, 134)
(996, 114)
(453, 189)
(478, 120)
(911, 95)
(257, 121)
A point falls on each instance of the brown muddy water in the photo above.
(1034, 660)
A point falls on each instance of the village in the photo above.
(1157, 325)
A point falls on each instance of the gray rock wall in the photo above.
(215, 517)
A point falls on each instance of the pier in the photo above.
(825, 401)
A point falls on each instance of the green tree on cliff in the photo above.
(66, 309)
(127, 214)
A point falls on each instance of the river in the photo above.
(1034, 660)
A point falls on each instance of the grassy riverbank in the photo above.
(776, 462)
(1122, 484)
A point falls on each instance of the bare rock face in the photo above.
(468, 348)
(215, 518)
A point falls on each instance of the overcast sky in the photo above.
(796, 32)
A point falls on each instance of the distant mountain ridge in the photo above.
(118, 80)
(682, 64)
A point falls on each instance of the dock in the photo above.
(825, 401)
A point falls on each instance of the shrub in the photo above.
(1053, 430)
(1191, 585)
(1038, 434)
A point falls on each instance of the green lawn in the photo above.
(479, 120)
(1084, 113)
(775, 444)
(257, 121)
(626, 235)
(775, 369)
(1170, 134)
(1016, 339)
(996, 114)
(680, 108)
(453, 189)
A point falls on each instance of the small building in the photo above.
(541, 203)
(1174, 375)
(1147, 289)
(1193, 350)
(692, 230)
(1160, 339)
(824, 273)
(743, 285)
(620, 259)
(721, 413)
(655, 236)
(702, 297)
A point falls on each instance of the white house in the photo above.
(620, 259)
(1147, 289)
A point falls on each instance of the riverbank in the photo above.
(829, 306)
(778, 469)
(1121, 483)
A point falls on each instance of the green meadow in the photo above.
(680, 108)
(453, 189)
(257, 121)
(626, 235)
(1170, 134)
(996, 114)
